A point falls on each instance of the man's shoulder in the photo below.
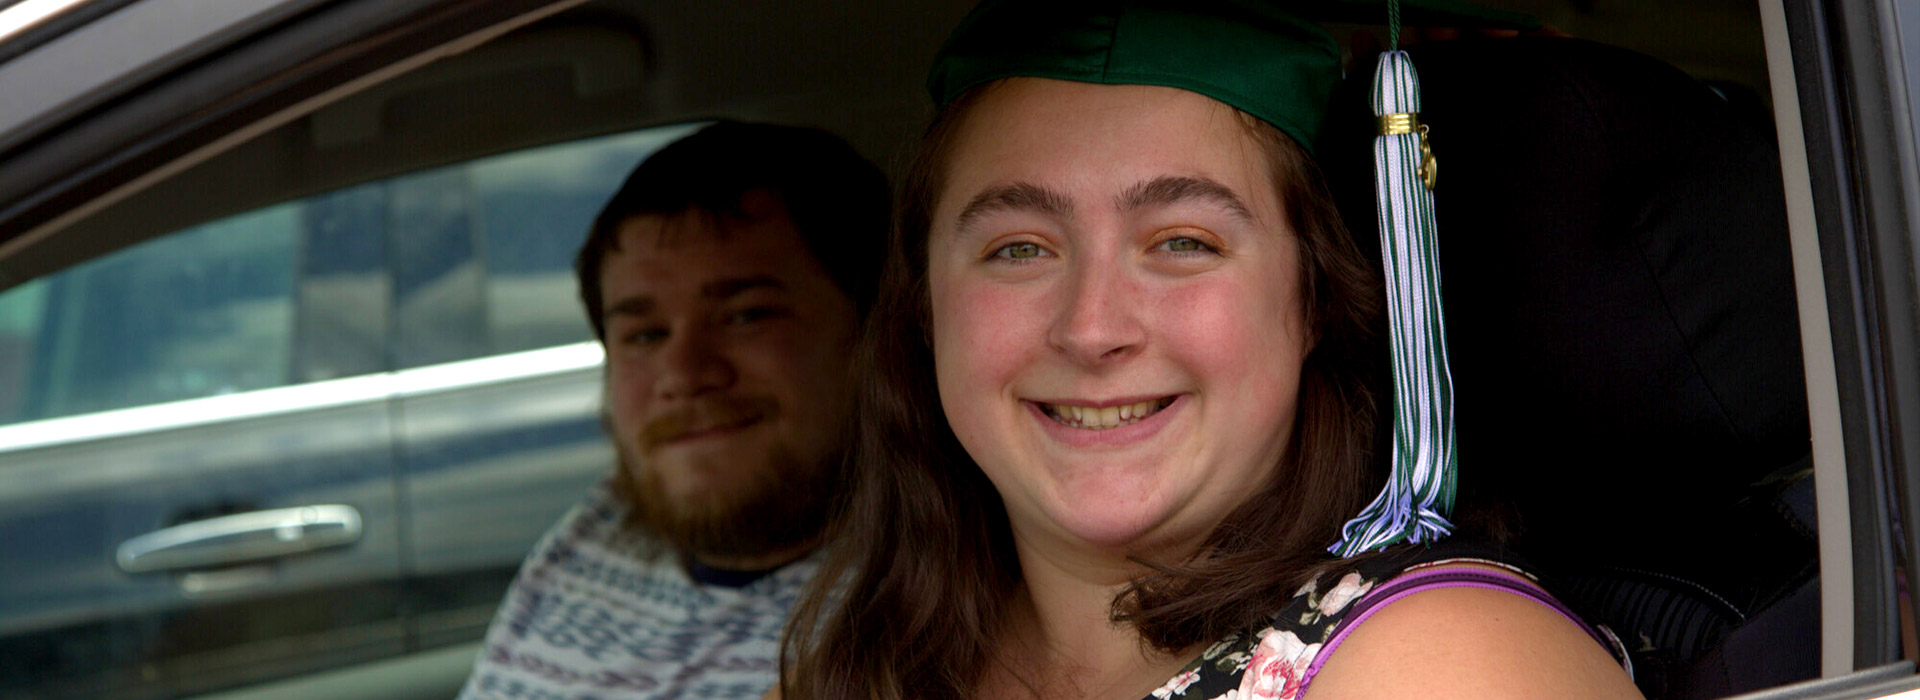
(596, 533)
(601, 607)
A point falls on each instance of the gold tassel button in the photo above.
(1409, 123)
(1399, 123)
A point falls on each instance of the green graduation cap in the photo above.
(1271, 60)
(1268, 58)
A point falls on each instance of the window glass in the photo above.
(203, 312)
(483, 251)
(481, 263)
(436, 275)
(535, 207)
(343, 286)
(20, 311)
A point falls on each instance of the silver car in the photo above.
(292, 371)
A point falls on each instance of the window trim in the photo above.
(262, 80)
(1857, 145)
(298, 398)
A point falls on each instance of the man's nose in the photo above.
(1099, 318)
(691, 364)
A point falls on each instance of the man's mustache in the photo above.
(710, 414)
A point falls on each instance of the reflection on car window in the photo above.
(436, 272)
(461, 261)
(20, 311)
(203, 312)
(483, 251)
(474, 259)
(534, 210)
(343, 286)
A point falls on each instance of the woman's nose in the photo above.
(690, 365)
(1099, 320)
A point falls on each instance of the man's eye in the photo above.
(644, 336)
(1185, 245)
(1019, 251)
(757, 313)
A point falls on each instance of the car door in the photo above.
(197, 424)
(189, 448)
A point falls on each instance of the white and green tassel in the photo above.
(1419, 493)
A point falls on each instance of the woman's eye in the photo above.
(1020, 251)
(1184, 245)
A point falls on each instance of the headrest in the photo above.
(1618, 290)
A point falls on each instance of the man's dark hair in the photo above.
(837, 199)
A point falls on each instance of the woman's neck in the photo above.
(1061, 638)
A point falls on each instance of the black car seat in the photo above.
(1624, 343)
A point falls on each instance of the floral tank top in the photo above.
(1279, 661)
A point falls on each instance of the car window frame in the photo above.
(239, 86)
(1849, 160)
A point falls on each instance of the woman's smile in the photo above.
(1104, 424)
(1103, 416)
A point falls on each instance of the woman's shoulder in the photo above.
(1462, 616)
(1422, 606)
(1469, 642)
(1323, 608)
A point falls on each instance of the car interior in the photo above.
(1615, 242)
(1625, 346)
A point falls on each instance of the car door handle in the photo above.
(242, 537)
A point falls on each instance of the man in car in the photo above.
(726, 280)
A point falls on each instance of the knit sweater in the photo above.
(600, 611)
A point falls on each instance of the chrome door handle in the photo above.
(242, 537)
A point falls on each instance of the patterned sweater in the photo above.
(599, 611)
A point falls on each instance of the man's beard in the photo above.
(782, 504)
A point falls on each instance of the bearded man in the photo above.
(726, 280)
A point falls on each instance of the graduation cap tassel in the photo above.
(1419, 493)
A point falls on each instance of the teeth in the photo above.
(1104, 418)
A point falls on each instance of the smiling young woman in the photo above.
(1098, 248)
(1121, 400)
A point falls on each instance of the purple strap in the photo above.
(1431, 579)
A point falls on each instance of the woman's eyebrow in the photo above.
(1172, 189)
(1019, 196)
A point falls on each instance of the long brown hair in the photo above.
(912, 597)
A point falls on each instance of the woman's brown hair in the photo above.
(912, 596)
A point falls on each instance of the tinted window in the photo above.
(481, 263)
(207, 311)
(535, 208)
(483, 251)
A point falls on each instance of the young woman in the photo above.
(1120, 402)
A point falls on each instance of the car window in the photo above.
(20, 310)
(483, 264)
(483, 251)
(342, 325)
(534, 209)
(207, 311)
(271, 353)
